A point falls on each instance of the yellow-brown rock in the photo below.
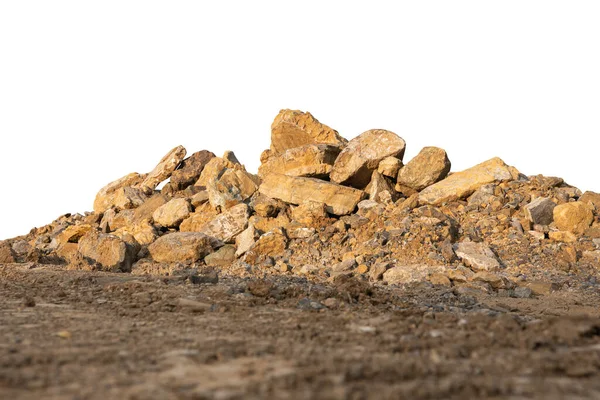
(143, 232)
(592, 198)
(105, 198)
(292, 128)
(268, 245)
(340, 200)
(196, 221)
(229, 224)
(389, 167)
(362, 156)
(573, 217)
(106, 250)
(163, 169)
(73, 233)
(431, 165)
(185, 247)
(379, 189)
(311, 160)
(171, 214)
(310, 214)
(462, 184)
(190, 169)
(263, 224)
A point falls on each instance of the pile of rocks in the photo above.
(326, 207)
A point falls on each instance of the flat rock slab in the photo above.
(312, 160)
(339, 200)
(478, 256)
(462, 184)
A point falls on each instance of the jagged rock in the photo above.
(265, 206)
(105, 198)
(379, 189)
(241, 182)
(7, 254)
(143, 232)
(362, 156)
(310, 214)
(185, 247)
(478, 256)
(389, 167)
(403, 274)
(230, 157)
(431, 165)
(312, 160)
(245, 240)
(540, 211)
(591, 198)
(340, 200)
(222, 257)
(163, 169)
(171, 214)
(573, 217)
(110, 252)
(461, 184)
(268, 245)
(190, 169)
(268, 224)
(213, 171)
(292, 128)
(73, 233)
(199, 198)
(144, 212)
(228, 225)
(197, 220)
(560, 236)
(121, 219)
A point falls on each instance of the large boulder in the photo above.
(292, 128)
(190, 169)
(172, 213)
(163, 169)
(592, 198)
(340, 200)
(573, 217)
(462, 184)
(108, 251)
(7, 254)
(431, 165)
(362, 155)
(311, 160)
(229, 224)
(185, 247)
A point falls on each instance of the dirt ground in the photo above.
(92, 335)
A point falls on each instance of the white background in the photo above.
(90, 91)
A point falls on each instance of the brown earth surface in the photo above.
(69, 334)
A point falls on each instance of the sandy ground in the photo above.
(91, 335)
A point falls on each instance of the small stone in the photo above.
(199, 198)
(522, 292)
(439, 279)
(193, 305)
(245, 240)
(389, 167)
(560, 236)
(493, 280)
(311, 214)
(222, 257)
(542, 288)
(537, 235)
(268, 245)
(477, 256)
(362, 269)
(377, 187)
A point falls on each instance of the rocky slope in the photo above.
(327, 208)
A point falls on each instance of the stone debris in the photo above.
(329, 209)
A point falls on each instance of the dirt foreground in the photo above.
(97, 335)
